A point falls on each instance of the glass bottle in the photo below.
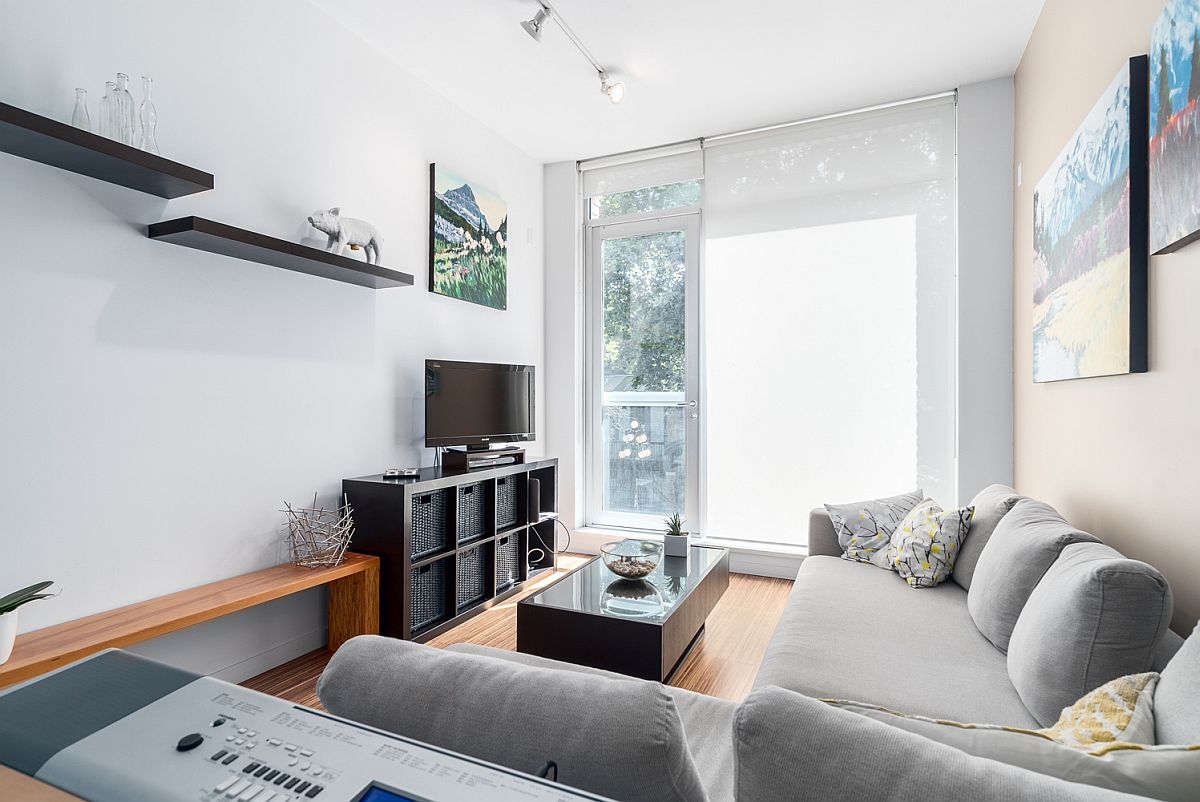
(124, 124)
(149, 118)
(80, 117)
(106, 110)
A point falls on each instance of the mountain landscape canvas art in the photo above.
(468, 243)
(1175, 127)
(1090, 241)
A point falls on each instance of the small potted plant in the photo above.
(8, 615)
(675, 540)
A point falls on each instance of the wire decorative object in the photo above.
(318, 537)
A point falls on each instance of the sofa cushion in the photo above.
(991, 504)
(707, 720)
(1167, 773)
(1024, 545)
(852, 632)
(1095, 616)
(793, 749)
(1177, 700)
(864, 528)
(617, 738)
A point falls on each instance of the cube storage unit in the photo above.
(452, 543)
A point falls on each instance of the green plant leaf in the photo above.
(24, 595)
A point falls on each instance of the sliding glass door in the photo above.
(643, 387)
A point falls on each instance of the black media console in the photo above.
(452, 543)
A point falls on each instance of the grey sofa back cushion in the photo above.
(1177, 699)
(791, 748)
(1022, 548)
(617, 738)
(991, 504)
(1095, 616)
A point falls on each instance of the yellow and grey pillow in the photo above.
(925, 544)
(1106, 739)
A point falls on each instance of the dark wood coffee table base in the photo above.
(638, 648)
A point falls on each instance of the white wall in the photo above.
(159, 404)
(985, 221)
(985, 416)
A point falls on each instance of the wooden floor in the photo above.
(722, 663)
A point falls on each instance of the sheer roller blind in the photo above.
(829, 316)
(651, 168)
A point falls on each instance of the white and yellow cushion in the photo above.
(925, 544)
(1106, 739)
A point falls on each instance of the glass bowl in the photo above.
(632, 559)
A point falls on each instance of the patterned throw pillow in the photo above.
(864, 528)
(1121, 710)
(925, 545)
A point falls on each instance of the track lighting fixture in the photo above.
(533, 27)
(615, 90)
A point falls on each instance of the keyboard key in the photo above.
(316, 789)
(281, 779)
(293, 761)
(251, 734)
(250, 793)
(229, 759)
(251, 744)
(262, 770)
(274, 741)
(251, 767)
(305, 766)
(239, 741)
(290, 747)
(224, 785)
(291, 783)
(238, 787)
(306, 752)
(241, 730)
(230, 738)
(219, 755)
(270, 775)
(302, 787)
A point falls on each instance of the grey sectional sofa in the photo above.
(850, 631)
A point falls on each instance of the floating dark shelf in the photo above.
(207, 235)
(31, 136)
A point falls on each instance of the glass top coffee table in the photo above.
(642, 628)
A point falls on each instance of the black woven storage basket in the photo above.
(429, 531)
(472, 511)
(508, 561)
(472, 575)
(428, 594)
(506, 502)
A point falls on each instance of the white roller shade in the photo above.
(651, 168)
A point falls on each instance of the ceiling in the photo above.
(691, 67)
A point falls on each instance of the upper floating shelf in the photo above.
(41, 139)
(207, 235)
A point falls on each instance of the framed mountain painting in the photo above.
(468, 240)
(1175, 127)
(1090, 238)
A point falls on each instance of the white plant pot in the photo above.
(675, 545)
(8, 635)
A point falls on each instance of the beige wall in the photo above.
(1118, 456)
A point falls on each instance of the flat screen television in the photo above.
(475, 404)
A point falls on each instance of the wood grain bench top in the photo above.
(53, 647)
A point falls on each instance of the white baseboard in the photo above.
(276, 656)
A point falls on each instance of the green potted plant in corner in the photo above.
(675, 540)
(8, 615)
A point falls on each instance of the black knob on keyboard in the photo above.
(189, 742)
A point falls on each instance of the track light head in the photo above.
(614, 90)
(533, 27)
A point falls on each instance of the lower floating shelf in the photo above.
(208, 235)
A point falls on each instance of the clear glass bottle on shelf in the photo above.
(148, 117)
(80, 117)
(125, 122)
(106, 110)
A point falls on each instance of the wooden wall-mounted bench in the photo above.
(353, 610)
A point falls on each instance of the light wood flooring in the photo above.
(722, 663)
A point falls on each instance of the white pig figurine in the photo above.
(343, 231)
